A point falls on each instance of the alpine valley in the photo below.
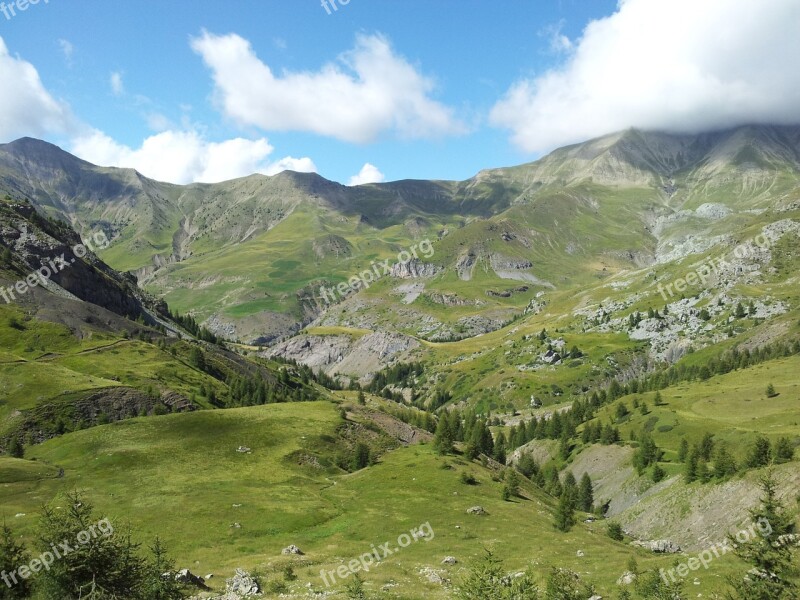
(591, 373)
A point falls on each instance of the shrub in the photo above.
(614, 531)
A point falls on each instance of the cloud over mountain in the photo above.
(674, 65)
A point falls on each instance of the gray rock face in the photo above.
(413, 269)
(464, 266)
(342, 354)
(658, 546)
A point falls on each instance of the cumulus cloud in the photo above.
(674, 65)
(369, 90)
(185, 157)
(368, 174)
(27, 107)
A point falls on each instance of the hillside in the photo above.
(248, 256)
(624, 312)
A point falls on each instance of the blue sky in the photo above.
(416, 88)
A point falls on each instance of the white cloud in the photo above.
(117, 86)
(67, 49)
(157, 121)
(675, 65)
(369, 174)
(368, 91)
(185, 157)
(559, 43)
(27, 107)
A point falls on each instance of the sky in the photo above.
(382, 90)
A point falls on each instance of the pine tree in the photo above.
(155, 585)
(658, 473)
(362, 457)
(784, 451)
(109, 562)
(771, 393)
(500, 448)
(565, 513)
(15, 448)
(12, 555)
(768, 552)
(512, 482)
(486, 579)
(615, 532)
(724, 463)
(443, 438)
(760, 453)
(690, 470)
(585, 494)
(683, 451)
(707, 446)
(355, 588)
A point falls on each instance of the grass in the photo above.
(180, 476)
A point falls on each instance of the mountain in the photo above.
(248, 256)
(624, 311)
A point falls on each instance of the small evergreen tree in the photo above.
(443, 438)
(565, 512)
(362, 458)
(784, 451)
(107, 562)
(12, 555)
(771, 393)
(159, 582)
(355, 588)
(512, 482)
(654, 587)
(15, 448)
(760, 453)
(769, 553)
(487, 580)
(585, 494)
(683, 451)
(615, 532)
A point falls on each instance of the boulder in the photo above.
(186, 577)
(241, 585)
(476, 510)
(292, 549)
(449, 560)
(627, 578)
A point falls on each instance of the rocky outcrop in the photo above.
(346, 355)
(104, 406)
(464, 266)
(658, 546)
(413, 269)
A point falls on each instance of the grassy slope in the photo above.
(179, 476)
